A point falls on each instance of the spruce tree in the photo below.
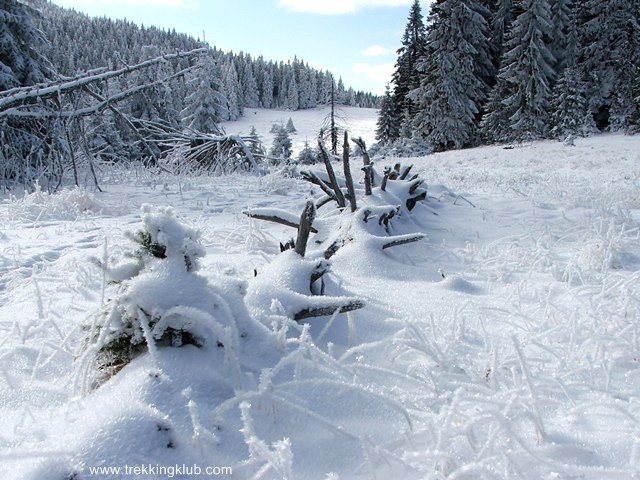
(519, 104)
(232, 89)
(205, 105)
(569, 107)
(21, 61)
(609, 46)
(308, 155)
(500, 25)
(388, 129)
(406, 76)
(456, 70)
(249, 84)
(281, 147)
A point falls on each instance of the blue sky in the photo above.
(355, 39)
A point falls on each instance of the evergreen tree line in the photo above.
(77, 42)
(41, 42)
(487, 71)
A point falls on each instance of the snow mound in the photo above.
(460, 285)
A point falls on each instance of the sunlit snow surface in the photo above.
(503, 345)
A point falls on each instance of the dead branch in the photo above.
(405, 173)
(367, 168)
(279, 218)
(313, 178)
(387, 172)
(328, 310)
(332, 176)
(402, 240)
(306, 219)
(411, 202)
(347, 173)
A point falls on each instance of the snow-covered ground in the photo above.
(504, 345)
(360, 122)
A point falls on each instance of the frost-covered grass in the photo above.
(504, 345)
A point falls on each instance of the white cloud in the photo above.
(375, 51)
(380, 73)
(192, 4)
(337, 7)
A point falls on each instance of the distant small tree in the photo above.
(255, 144)
(281, 144)
(275, 127)
(307, 155)
(290, 128)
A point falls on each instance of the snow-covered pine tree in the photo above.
(292, 98)
(232, 90)
(625, 19)
(308, 155)
(634, 115)
(561, 19)
(406, 76)
(290, 127)
(519, 103)
(249, 83)
(21, 60)
(281, 147)
(149, 104)
(456, 69)
(387, 126)
(206, 104)
(609, 57)
(500, 24)
(569, 107)
(341, 93)
(255, 144)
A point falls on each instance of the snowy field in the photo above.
(504, 345)
(360, 122)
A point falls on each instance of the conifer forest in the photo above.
(475, 72)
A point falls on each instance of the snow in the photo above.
(502, 345)
(360, 122)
